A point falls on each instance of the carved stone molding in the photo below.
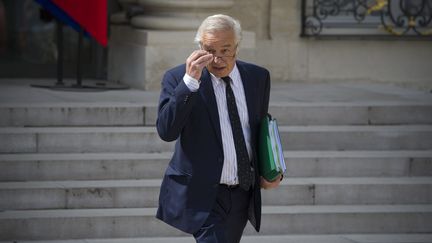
(168, 14)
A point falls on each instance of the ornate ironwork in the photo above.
(367, 18)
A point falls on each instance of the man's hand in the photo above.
(196, 62)
(265, 184)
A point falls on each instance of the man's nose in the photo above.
(217, 59)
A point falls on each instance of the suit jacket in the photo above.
(191, 181)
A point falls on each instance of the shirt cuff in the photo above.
(191, 83)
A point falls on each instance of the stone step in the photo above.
(358, 163)
(79, 194)
(281, 220)
(104, 166)
(330, 219)
(351, 113)
(146, 139)
(415, 137)
(287, 113)
(144, 193)
(346, 238)
(76, 114)
(82, 166)
(348, 191)
(81, 140)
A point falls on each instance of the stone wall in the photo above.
(271, 39)
(291, 58)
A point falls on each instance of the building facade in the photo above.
(297, 40)
(159, 34)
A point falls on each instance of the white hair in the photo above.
(216, 23)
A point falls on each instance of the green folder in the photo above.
(270, 153)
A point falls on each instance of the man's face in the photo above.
(223, 47)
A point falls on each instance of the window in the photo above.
(367, 18)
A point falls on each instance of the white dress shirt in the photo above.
(229, 170)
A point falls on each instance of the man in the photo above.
(212, 106)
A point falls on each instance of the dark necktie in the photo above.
(244, 170)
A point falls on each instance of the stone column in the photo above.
(150, 36)
(177, 14)
(121, 17)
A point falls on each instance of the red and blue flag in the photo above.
(88, 15)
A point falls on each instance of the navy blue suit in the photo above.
(191, 181)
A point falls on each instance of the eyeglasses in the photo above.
(226, 53)
(225, 56)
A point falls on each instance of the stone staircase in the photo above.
(358, 171)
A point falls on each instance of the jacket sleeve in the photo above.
(175, 105)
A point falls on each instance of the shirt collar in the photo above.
(234, 75)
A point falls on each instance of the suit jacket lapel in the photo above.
(251, 93)
(249, 87)
(207, 94)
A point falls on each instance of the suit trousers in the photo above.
(228, 217)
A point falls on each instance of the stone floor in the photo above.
(19, 91)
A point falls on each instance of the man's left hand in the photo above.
(265, 184)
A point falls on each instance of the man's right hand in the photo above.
(196, 62)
